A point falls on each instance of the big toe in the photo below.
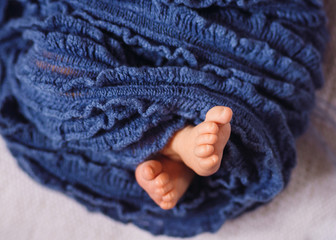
(149, 170)
(219, 114)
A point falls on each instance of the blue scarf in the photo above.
(91, 88)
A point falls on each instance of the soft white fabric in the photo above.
(305, 210)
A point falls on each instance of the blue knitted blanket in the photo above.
(91, 88)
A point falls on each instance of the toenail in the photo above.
(224, 112)
(149, 171)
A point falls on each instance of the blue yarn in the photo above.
(89, 89)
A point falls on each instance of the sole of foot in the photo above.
(164, 180)
(201, 147)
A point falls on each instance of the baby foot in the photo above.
(201, 147)
(164, 180)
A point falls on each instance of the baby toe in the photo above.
(207, 127)
(148, 173)
(162, 179)
(206, 138)
(164, 189)
(148, 170)
(170, 196)
(204, 150)
(166, 205)
(210, 164)
(219, 114)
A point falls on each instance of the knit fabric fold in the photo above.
(89, 89)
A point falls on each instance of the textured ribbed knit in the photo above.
(89, 89)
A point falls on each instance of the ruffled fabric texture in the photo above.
(89, 89)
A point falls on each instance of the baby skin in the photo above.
(192, 150)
